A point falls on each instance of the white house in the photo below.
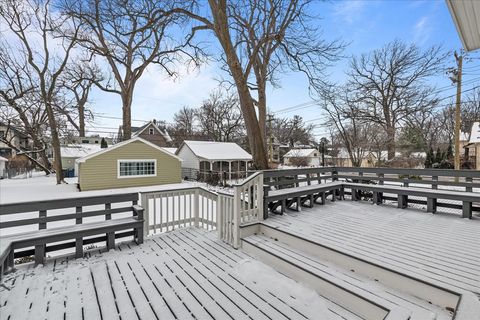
(3, 166)
(206, 156)
(312, 156)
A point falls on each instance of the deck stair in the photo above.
(350, 286)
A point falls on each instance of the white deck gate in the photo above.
(244, 206)
(167, 210)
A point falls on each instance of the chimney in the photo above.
(154, 121)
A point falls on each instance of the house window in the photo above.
(137, 168)
(150, 131)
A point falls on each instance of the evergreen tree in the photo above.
(438, 156)
(103, 143)
(449, 155)
(429, 159)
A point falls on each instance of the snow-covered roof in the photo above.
(301, 153)
(115, 146)
(171, 150)
(216, 151)
(79, 150)
(475, 133)
(420, 154)
(3, 159)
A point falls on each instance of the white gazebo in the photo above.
(210, 156)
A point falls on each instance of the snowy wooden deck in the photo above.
(184, 274)
(439, 248)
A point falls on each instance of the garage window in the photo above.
(137, 168)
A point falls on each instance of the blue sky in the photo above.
(365, 25)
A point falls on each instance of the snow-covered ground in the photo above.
(41, 187)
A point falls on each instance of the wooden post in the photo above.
(467, 209)
(220, 208)
(78, 241)
(196, 209)
(469, 180)
(236, 218)
(380, 178)
(110, 235)
(432, 205)
(260, 199)
(434, 182)
(146, 216)
(324, 198)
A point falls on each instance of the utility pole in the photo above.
(458, 78)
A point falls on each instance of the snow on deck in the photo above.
(183, 274)
(440, 248)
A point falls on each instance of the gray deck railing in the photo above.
(20, 218)
(455, 180)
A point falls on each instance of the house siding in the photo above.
(100, 172)
(155, 138)
(190, 160)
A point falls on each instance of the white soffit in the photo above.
(466, 16)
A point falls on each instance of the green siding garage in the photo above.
(131, 163)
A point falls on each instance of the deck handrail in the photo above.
(433, 178)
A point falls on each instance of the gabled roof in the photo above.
(216, 151)
(164, 133)
(123, 143)
(79, 150)
(301, 153)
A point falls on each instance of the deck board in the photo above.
(442, 248)
(184, 274)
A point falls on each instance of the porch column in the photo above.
(229, 170)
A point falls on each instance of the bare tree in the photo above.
(343, 115)
(184, 126)
(130, 35)
(19, 104)
(261, 39)
(220, 118)
(34, 25)
(292, 131)
(76, 86)
(390, 84)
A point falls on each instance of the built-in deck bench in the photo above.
(300, 195)
(467, 198)
(284, 188)
(10, 243)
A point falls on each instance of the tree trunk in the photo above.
(57, 164)
(391, 141)
(127, 115)
(262, 113)
(81, 119)
(255, 137)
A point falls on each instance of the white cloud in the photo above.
(349, 11)
(422, 30)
